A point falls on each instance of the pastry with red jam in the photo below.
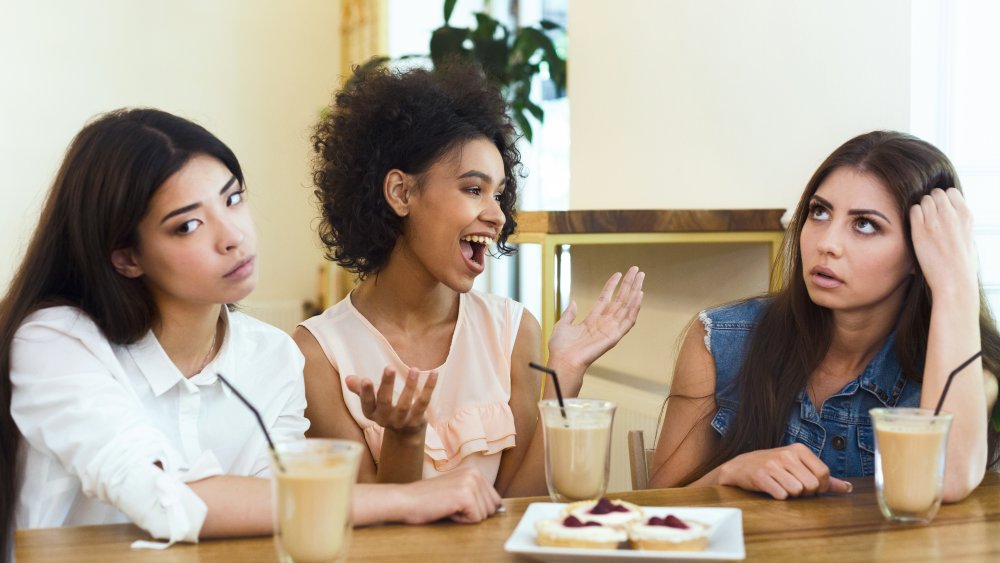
(611, 513)
(570, 531)
(668, 533)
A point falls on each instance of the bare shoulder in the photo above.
(694, 373)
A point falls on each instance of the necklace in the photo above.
(211, 349)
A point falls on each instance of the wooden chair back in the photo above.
(639, 460)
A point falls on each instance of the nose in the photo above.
(493, 215)
(230, 236)
(830, 241)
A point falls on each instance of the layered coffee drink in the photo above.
(909, 464)
(579, 458)
(577, 447)
(312, 499)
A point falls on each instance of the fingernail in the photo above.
(850, 487)
(501, 508)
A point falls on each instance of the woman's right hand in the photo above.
(788, 471)
(462, 495)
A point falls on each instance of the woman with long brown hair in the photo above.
(880, 301)
(111, 335)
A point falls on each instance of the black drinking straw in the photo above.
(951, 376)
(260, 421)
(555, 380)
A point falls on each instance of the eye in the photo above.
(865, 226)
(498, 197)
(188, 227)
(474, 190)
(818, 212)
(234, 198)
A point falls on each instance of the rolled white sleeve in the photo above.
(70, 400)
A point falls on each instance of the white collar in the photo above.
(161, 373)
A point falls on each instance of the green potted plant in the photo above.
(511, 59)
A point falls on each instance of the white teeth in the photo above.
(478, 239)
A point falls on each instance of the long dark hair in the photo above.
(110, 172)
(793, 334)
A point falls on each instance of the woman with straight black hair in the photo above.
(111, 335)
(880, 302)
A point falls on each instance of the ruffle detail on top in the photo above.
(484, 429)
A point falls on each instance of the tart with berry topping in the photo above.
(573, 532)
(611, 513)
(669, 533)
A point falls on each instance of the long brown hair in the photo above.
(793, 334)
(110, 172)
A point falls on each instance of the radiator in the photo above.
(637, 409)
(284, 314)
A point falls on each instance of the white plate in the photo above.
(725, 541)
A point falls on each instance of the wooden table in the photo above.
(555, 229)
(831, 528)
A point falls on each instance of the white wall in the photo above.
(721, 104)
(254, 72)
(727, 103)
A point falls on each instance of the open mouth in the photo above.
(474, 249)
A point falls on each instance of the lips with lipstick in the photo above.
(474, 249)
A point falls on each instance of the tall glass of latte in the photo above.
(910, 447)
(312, 499)
(577, 447)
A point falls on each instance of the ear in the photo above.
(397, 188)
(125, 263)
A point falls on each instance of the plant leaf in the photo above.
(522, 123)
(449, 7)
(448, 41)
(534, 110)
(549, 25)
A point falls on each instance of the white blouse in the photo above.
(95, 417)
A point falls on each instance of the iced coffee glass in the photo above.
(910, 446)
(577, 447)
(312, 499)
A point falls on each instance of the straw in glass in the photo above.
(260, 421)
(951, 376)
(555, 381)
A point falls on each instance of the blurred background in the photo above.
(670, 104)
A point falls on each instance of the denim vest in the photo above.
(841, 434)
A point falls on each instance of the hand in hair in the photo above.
(407, 415)
(941, 227)
(789, 471)
(573, 347)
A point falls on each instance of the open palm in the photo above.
(578, 344)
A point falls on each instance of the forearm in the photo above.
(953, 338)
(237, 506)
(529, 475)
(377, 504)
(402, 457)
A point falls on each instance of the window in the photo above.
(955, 104)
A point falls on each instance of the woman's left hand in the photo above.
(576, 346)
(941, 227)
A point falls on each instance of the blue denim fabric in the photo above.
(841, 435)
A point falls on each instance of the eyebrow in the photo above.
(854, 211)
(482, 176)
(193, 206)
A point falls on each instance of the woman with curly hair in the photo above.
(416, 175)
(881, 301)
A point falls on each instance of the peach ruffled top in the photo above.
(469, 419)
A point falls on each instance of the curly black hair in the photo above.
(386, 119)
